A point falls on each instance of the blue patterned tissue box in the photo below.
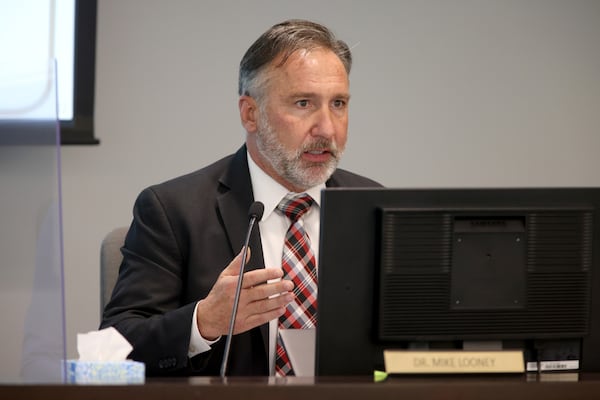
(105, 372)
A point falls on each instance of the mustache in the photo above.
(321, 144)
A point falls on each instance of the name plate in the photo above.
(453, 362)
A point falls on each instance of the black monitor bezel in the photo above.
(346, 339)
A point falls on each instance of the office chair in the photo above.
(110, 261)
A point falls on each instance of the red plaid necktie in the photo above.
(299, 266)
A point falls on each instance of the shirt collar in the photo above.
(270, 192)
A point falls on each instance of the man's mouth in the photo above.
(317, 156)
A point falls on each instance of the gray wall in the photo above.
(444, 93)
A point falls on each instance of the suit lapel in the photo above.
(233, 206)
(333, 181)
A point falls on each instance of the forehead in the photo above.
(315, 70)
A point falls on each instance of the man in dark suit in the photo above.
(174, 295)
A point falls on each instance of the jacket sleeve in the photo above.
(146, 305)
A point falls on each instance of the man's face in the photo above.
(301, 128)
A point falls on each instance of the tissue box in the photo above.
(105, 372)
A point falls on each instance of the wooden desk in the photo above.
(348, 388)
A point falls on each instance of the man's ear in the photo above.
(248, 113)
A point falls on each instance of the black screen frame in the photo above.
(80, 130)
(346, 332)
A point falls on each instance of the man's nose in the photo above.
(324, 124)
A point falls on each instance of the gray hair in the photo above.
(284, 39)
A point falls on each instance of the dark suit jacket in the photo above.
(184, 232)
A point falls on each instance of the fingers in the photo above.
(263, 318)
(263, 298)
(260, 276)
(266, 290)
(270, 304)
(251, 278)
(233, 269)
(266, 301)
(262, 311)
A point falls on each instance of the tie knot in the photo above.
(295, 206)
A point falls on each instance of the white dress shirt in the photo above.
(273, 227)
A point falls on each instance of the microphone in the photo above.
(255, 213)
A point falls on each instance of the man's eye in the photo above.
(302, 103)
(339, 103)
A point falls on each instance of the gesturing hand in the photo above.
(257, 306)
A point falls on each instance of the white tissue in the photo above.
(103, 345)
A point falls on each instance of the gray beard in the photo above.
(289, 164)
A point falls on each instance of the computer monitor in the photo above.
(441, 268)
